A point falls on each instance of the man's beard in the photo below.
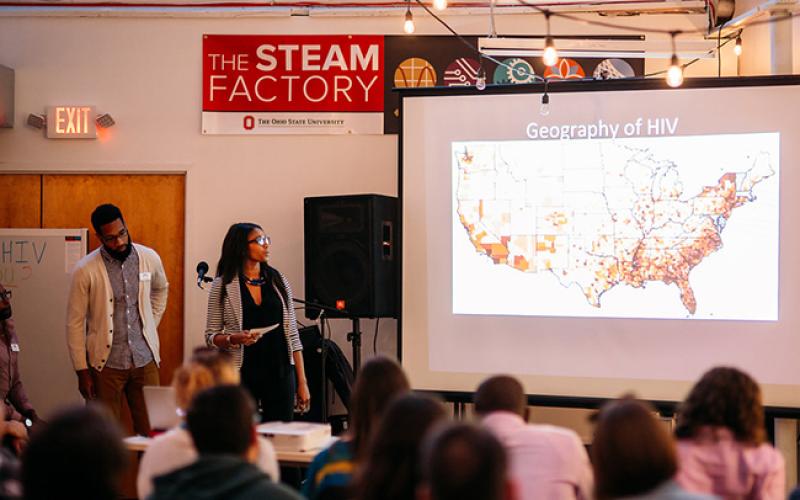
(121, 256)
(5, 313)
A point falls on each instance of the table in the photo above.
(286, 458)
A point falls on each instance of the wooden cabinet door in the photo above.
(20, 200)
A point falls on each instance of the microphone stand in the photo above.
(203, 279)
(353, 337)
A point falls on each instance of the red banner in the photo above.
(286, 73)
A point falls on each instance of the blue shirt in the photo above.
(129, 348)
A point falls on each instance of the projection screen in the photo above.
(629, 240)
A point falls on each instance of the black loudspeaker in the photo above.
(350, 254)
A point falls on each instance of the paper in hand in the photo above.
(258, 332)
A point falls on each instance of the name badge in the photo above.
(145, 276)
(15, 347)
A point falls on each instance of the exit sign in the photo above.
(71, 122)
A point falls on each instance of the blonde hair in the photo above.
(206, 368)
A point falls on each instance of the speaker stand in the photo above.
(355, 338)
(323, 373)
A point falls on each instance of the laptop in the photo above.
(161, 409)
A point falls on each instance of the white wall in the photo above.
(146, 72)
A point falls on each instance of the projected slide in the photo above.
(626, 227)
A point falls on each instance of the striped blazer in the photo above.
(226, 317)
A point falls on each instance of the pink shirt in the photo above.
(546, 461)
(714, 462)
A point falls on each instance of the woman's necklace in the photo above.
(255, 281)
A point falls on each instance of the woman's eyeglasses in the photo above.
(262, 240)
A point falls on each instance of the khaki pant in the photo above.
(110, 385)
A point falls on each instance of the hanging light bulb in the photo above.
(544, 109)
(439, 4)
(550, 55)
(480, 82)
(674, 73)
(408, 25)
(737, 49)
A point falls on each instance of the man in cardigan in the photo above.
(117, 298)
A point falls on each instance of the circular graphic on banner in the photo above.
(462, 72)
(565, 69)
(611, 69)
(514, 70)
(415, 72)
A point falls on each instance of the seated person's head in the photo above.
(632, 452)
(379, 381)
(206, 368)
(5, 303)
(391, 468)
(220, 420)
(724, 397)
(464, 462)
(500, 393)
(78, 454)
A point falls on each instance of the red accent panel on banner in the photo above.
(320, 73)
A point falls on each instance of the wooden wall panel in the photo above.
(153, 208)
(20, 196)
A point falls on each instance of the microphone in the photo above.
(202, 269)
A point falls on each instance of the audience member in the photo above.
(390, 470)
(634, 456)
(15, 436)
(10, 485)
(464, 462)
(545, 461)
(721, 448)
(221, 423)
(18, 407)
(174, 449)
(78, 455)
(330, 474)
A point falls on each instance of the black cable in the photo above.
(375, 337)
(466, 42)
(719, 53)
(673, 33)
(604, 24)
(296, 320)
(684, 66)
(579, 20)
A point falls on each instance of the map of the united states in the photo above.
(607, 213)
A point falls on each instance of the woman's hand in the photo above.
(242, 338)
(303, 397)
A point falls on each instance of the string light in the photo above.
(674, 74)
(439, 4)
(408, 25)
(737, 49)
(675, 71)
(550, 55)
(480, 82)
(544, 109)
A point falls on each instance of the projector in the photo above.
(296, 436)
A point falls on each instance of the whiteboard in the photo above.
(36, 265)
